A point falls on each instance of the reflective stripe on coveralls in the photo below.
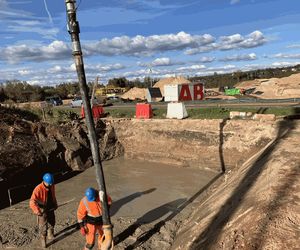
(86, 211)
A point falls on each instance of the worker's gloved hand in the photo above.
(83, 231)
(39, 213)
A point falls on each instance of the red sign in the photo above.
(198, 91)
(185, 94)
(193, 92)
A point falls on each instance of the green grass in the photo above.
(63, 114)
(203, 113)
(158, 113)
(121, 113)
(55, 115)
(223, 113)
(208, 113)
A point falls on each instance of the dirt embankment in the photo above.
(28, 148)
(256, 206)
(196, 143)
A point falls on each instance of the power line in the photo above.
(78, 5)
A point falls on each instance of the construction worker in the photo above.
(89, 216)
(43, 203)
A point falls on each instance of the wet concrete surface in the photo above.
(143, 193)
(137, 187)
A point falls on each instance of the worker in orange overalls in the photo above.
(89, 216)
(43, 203)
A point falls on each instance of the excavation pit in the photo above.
(175, 180)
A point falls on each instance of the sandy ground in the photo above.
(274, 88)
(257, 206)
(135, 93)
(149, 199)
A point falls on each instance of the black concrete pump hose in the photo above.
(73, 29)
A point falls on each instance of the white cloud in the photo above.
(246, 57)
(3, 4)
(293, 46)
(15, 20)
(25, 72)
(141, 45)
(235, 41)
(284, 64)
(89, 68)
(56, 50)
(32, 26)
(191, 68)
(136, 46)
(236, 38)
(286, 56)
(164, 61)
(234, 2)
(58, 73)
(195, 70)
(105, 68)
(160, 62)
(207, 59)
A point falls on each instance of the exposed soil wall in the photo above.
(29, 148)
(256, 206)
(198, 143)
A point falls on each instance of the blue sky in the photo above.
(129, 37)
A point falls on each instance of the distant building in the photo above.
(153, 95)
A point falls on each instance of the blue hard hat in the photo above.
(48, 178)
(90, 194)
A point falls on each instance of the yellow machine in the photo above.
(109, 90)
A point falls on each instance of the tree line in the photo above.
(21, 91)
(231, 79)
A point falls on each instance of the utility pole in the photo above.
(150, 73)
(94, 89)
(73, 28)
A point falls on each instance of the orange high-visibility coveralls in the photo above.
(38, 200)
(39, 204)
(90, 213)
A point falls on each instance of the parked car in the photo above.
(77, 102)
(54, 100)
(112, 99)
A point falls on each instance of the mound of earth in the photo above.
(274, 88)
(135, 94)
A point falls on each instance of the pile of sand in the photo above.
(214, 93)
(135, 93)
(170, 80)
(275, 88)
